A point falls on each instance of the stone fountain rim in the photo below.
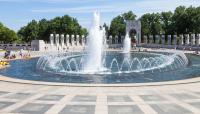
(30, 82)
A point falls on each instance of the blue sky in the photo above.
(17, 13)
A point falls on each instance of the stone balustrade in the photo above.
(184, 40)
(67, 40)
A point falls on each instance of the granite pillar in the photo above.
(169, 39)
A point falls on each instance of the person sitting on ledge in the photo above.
(3, 63)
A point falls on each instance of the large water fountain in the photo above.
(127, 44)
(94, 60)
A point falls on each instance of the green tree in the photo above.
(58, 25)
(192, 18)
(106, 28)
(146, 24)
(7, 35)
(43, 32)
(151, 23)
(197, 20)
(129, 15)
(167, 23)
(179, 19)
(30, 32)
(118, 24)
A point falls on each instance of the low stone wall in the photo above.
(15, 46)
(181, 47)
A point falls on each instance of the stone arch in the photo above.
(132, 33)
(134, 25)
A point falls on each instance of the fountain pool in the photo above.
(172, 70)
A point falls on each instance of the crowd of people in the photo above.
(13, 55)
(4, 63)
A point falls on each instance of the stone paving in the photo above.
(43, 99)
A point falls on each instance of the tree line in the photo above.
(7, 35)
(184, 20)
(43, 28)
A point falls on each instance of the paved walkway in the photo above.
(43, 99)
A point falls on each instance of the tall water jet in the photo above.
(127, 44)
(93, 60)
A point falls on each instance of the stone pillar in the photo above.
(169, 39)
(163, 39)
(198, 40)
(145, 39)
(67, 43)
(62, 38)
(175, 39)
(51, 39)
(57, 40)
(115, 39)
(181, 40)
(118, 40)
(151, 39)
(82, 40)
(122, 39)
(193, 40)
(77, 40)
(72, 40)
(187, 40)
(110, 39)
(157, 39)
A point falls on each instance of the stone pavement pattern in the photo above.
(42, 99)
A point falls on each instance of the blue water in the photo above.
(26, 69)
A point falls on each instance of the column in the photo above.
(62, 38)
(72, 40)
(181, 40)
(163, 39)
(169, 39)
(145, 39)
(198, 39)
(193, 40)
(82, 40)
(175, 39)
(77, 40)
(122, 39)
(51, 39)
(115, 39)
(187, 40)
(67, 40)
(151, 39)
(57, 40)
(157, 39)
(110, 40)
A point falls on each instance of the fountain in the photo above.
(95, 61)
(127, 44)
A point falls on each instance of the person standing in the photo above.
(20, 53)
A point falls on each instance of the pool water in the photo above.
(26, 69)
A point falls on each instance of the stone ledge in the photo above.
(177, 82)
